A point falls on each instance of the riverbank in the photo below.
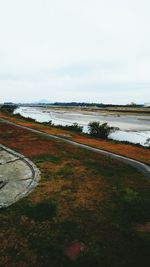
(132, 128)
(115, 110)
(139, 153)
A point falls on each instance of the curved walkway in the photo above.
(143, 168)
(18, 176)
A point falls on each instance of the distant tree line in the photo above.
(79, 104)
(84, 104)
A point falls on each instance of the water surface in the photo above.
(133, 128)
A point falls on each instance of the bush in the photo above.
(75, 127)
(49, 123)
(147, 143)
(100, 130)
(8, 108)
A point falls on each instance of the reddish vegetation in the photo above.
(132, 151)
(34, 146)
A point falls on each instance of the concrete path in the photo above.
(18, 176)
(143, 168)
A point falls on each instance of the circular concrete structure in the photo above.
(18, 176)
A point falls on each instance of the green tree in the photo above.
(9, 108)
(100, 130)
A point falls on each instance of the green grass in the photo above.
(51, 158)
(40, 212)
(133, 206)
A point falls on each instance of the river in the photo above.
(133, 128)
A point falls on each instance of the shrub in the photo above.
(100, 130)
(49, 123)
(75, 127)
(9, 108)
(147, 143)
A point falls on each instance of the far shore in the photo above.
(104, 111)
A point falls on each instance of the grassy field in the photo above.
(81, 196)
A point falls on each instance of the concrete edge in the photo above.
(36, 174)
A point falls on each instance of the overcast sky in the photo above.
(75, 50)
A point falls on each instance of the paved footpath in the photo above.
(18, 176)
(143, 168)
